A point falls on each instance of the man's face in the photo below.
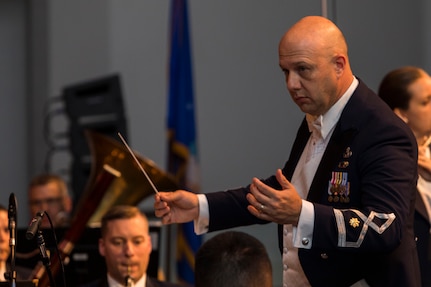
(4, 236)
(46, 198)
(126, 247)
(310, 76)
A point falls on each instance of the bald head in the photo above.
(313, 56)
(314, 34)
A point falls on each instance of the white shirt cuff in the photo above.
(303, 233)
(201, 224)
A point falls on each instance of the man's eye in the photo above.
(117, 242)
(305, 72)
(426, 102)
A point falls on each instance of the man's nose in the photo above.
(40, 206)
(128, 249)
(43, 206)
(292, 81)
(4, 236)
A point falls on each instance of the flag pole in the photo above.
(324, 5)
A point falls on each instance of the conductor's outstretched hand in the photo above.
(176, 207)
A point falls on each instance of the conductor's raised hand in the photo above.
(279, 206)
(176, 207)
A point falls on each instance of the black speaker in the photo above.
(102, 96)
(95, 105)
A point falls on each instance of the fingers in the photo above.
(265, 201)
(253, 201)
(164, 196)
(260, 194)
(176, 207)
(167, 219)
(161, 208)
(263, 193)
(282, 180)
(257, 208)
(259, 212)
(163, 211)
(259, 189)
(158, 202)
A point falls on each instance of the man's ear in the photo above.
(340, 64)
(102, 247)
(401, 113)
(68, 205)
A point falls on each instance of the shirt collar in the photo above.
(140, 283)
(323, 124)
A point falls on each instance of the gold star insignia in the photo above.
(354, 222)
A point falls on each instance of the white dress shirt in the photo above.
(140, 283)
(2, 271)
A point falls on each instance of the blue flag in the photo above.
(183, 154)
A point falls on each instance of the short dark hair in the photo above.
(234, 259)
(119, 212)
(393, 88)
(45, 178)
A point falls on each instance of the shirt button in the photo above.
(285, 250)
(284, 267)
(324, 256)
(305, 241)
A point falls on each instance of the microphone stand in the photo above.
(45, 257)
(12, 214)
(12, 244)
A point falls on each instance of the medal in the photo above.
(343, 164)
(347, 153)
(339, 187)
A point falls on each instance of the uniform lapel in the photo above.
(334, 151)
(297, 149)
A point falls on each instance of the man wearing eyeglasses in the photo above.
(49, 193)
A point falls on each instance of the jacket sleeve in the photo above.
(382, 177)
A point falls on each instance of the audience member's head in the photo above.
(407, 90)
(233, 259)
(48, 193)
(125, 242)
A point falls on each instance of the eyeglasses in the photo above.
(50, 201)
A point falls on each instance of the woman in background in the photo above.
(407, 90)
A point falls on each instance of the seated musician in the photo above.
(49, 193)
(125, 244)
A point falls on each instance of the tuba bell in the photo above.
(131, 187)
